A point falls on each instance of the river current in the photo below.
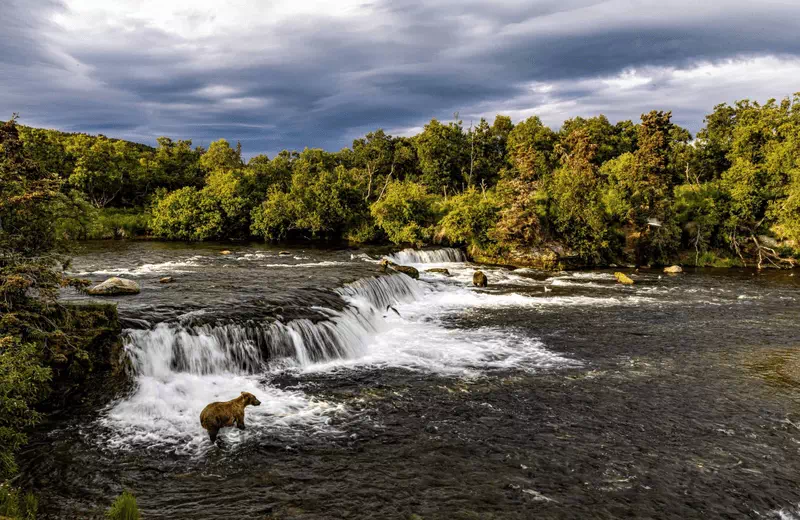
(544, 395)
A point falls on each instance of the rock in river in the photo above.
(166, 279)
(440, 270)
(479, 279)
(623, 278)
(405, 269)
(675, 269)
(114, 287)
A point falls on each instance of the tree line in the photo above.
(644, 192)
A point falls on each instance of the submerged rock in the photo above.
(440, 270)
(675, 269)
(284, 253)
(479, 279)
(623, 278)
(166, 279)
(225, 252)
(114, 287)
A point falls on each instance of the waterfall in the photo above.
(247, 346)
(436, 256)
(181, 368)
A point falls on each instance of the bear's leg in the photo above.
(212, 434)
(240, 422)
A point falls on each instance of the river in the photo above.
(544, 395)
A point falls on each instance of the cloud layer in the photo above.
(288, 74)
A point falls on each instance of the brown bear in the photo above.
(223, 414)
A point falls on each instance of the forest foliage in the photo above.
(644, 192)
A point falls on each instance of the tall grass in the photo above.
(123, 508)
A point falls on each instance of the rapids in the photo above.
(384, 396)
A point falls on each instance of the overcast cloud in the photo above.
(288, 73)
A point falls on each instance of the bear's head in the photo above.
(250, 399)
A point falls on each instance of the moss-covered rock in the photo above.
(547, 257)
(86, 349)
(623, 278)
(405, 269)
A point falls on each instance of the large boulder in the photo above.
(407, 269)
(675, 269)
(115, 287)
(623, 278)
(387, 264)
(479, 279)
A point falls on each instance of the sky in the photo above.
(292, 73)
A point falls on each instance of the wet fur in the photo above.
(225, 414)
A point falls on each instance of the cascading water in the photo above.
(389, 320)
(436, 256)
(179, 369)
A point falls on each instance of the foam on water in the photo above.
(789, 513)
(563, 282)
(594, 276)
(147, 269)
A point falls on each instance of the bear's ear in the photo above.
(243, 393)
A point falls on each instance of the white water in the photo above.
(174, 267)
(412, 256)
(390, 321)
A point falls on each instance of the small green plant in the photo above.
(12, 507)
(123, 508)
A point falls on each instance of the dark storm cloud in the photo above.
(322, 80)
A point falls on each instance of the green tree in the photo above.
(173, 165)
(530, 150)
(29, 284)
(186, 214)
(262, 174)
(577, 195)
(100, 168)
(646, 189)
(221, 156)
(487, 151)
(320, 204)
(470, 218)
(374, 153)
(406, 213)
(443, 156)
